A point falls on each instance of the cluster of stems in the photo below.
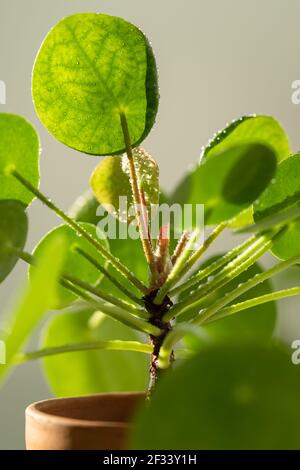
(153, 309)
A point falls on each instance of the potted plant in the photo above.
(126, 285)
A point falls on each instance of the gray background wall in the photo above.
(217, 61)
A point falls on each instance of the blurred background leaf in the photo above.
(90, 67)
(111, 180)
(91, 371)
(74, 263)
(281, 196)
(227, 397)
(19, 149)
(13, 234)
(40, 295)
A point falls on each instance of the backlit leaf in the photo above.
(19, 150)
(90, 68)
(110, 181)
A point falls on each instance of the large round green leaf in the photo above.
(110, 181)
(247, 129)
(19, 150)
(227, 397)
(282, 195)
(228, 182)
(93, 371)
(90, 68)
(74, 264)
(13, 234)
(251, 129)
(255, 323)
(85, 208)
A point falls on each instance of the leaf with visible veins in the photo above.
(90, 68)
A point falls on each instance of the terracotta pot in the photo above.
(94, 422)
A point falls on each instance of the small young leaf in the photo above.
(19, 149)
(228, 397)
(88, 372)
(13, 234)
(85, 208)
(90, 68)
(251, 129)
(280, 196)
(228, 182)
(39, 296)
(74, 263)
(110, 181)
(283, 192)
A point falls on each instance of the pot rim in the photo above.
(38, 412)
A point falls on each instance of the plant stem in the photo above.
(172, 338)
(155, 371)
(281, 294)
(27, 257)
(78, 292)
(207, 243)
(111, 278)
(109, 309)
(117, 313)
(105, 296)
(177, 268)
(204, 273)
(81, 231)
(270, 221)
(179, 247)
(204, 316)
(227, 274)
(114, 312)
(113, 345)
(68, 280)
(183, 264)
(142, 218)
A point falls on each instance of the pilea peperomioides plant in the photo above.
(95, 89)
